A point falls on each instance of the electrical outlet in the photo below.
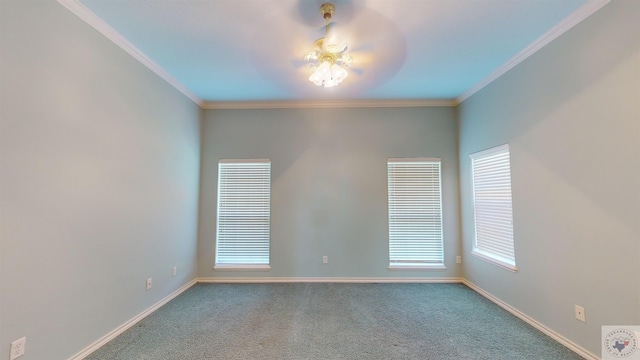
(174, 271)
(459, 259)
(325, 259)
(148, 283)
(17, 348)
(580, 315)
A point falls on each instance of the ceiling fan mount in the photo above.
(327, 10)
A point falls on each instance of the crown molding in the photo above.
(583, 12)
(77, 8)
(319, 104)
(88, 16)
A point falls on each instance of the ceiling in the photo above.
(230, 51)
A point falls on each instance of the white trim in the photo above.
(318, 104)
(233, 267)
(583, 12)
(88, 16)
(490, 151)
(233, 161)
(492, 207)
(209, 280)
(414, 160)
(493, 260)
(353, 280)
(124, 327)
(529, 320)
(76, 7)
(425, 267)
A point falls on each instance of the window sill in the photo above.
(232, 267)
(489, 258)
(415, 266)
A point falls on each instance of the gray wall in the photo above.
(570, 114)
(100, 159)
(99, 182)
(329, 184)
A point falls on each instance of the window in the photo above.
(244, 191)
(415, 214)
(491, 174)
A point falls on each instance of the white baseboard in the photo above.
(122, 328)
(529, 320)
(366, 280)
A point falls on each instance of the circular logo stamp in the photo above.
(621, 343)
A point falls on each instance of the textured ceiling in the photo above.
(252, 50)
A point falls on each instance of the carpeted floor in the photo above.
(332, 321)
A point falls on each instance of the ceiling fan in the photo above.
(357, 38)
(326, 58)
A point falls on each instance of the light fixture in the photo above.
(327, 59)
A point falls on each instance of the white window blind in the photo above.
(244, 191)
(493, 213)
(415, 213)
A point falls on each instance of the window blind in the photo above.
(244, 190)
(415, 212)
(493, 213)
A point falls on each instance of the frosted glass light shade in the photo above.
(338, 73)
(322, 73)
(328, 75)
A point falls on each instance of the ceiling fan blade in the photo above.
(368, 47)
(300, 63)
(323, 28)
(361, 58)
(376, 46)
(356, 71)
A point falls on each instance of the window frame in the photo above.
(496, 222)
(222, 264)
(395, 263)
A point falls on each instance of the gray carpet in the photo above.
(332, 321)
